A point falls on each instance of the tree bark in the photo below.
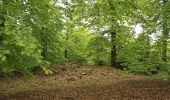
(113, 49)
(2, 24)
(44, 44)
(165, 34)
(66, 51)
(2, 21)
(113, 35)
(2, 16)
(147, 54)
(165, 43)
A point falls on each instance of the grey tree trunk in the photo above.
(113, 49)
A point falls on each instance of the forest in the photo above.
(98, 39)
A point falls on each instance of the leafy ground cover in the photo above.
(84, 82)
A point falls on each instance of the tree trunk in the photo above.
(113, 49)
(165, 43)
(113, 36)
(147, 54)
(165, 33)
(2, 16)
(44, 44)
(2, 24)
(2, 21)
(66, 51)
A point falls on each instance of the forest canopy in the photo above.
(39, 33)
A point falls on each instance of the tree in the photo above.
(165, 32)
(20, 44)
(109, 16)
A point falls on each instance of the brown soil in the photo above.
(82, 82)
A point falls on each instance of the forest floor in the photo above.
(84, 82)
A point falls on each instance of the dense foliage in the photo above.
(104, 32)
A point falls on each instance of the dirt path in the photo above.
(79, 82)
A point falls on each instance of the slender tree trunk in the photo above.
(66, 51)
(2, 27)
(65, 54)
(165, 33)
(164, 42)
(113, 35)
(147, 54)
(113, 49)
(69, 31)
(2, 20)
(2, 16)
(44, 44)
